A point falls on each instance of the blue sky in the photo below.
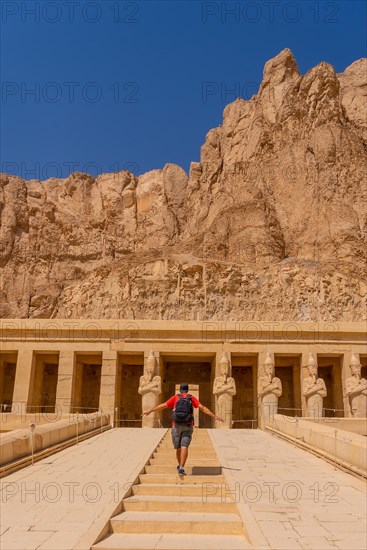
(134, 85)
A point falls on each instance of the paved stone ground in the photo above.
(289, 498)
(64, 500)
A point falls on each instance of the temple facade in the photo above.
(247, 371)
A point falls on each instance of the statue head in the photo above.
(224, 365)
(150, 364)
(355, 365)
(312, 365)
(268, 365)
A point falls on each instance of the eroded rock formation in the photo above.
(270, 224)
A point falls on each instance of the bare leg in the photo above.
(178, 455)
(183, 455)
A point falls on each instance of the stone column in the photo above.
(23, 380)
(150, 388)
(65, 382)
(303, 375)
(269, 389)
(355, 388)
(224, 389)
(345, 374)
(260, 361)
(2, 383)
(314, 389)
(108, 382)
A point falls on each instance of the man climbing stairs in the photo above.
(169, 511)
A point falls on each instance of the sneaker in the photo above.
(181, 471)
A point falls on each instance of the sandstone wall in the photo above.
(269, 225)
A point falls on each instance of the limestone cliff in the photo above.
(269, 225)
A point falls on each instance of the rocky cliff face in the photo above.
(269, 225)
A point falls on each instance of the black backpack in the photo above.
(183, 412)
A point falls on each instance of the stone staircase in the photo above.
(168, 511)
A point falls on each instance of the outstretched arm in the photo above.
(209, 413)
(157, 408)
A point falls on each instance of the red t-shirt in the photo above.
(171, 403)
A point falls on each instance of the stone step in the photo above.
(197, 433)
(192, 452)
(195, 437)
(177, 523)
(169, 457)
(161, 503)
(182, 490)
(203, 448)
(169, 450)
(122, 541)
(199, 469)
(174, 478)
(194, 461)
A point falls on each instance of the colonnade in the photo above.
(245, 386)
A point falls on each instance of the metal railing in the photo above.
(251, 424)
(326, 412)
(26, 408)
(290, 411)
(119, 422)
(40, 409)
(333, 413)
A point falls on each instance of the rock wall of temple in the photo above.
(270, 224)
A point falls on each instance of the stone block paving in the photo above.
(288, 497)
(64, 501)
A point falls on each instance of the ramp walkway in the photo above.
(64, 501)
(245, 489)
(287, 497)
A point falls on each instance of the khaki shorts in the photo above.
(181, 435)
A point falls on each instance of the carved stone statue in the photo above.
(150, 387)
(224, 389)
(270, 389)
(314, 390)
(356, 390)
